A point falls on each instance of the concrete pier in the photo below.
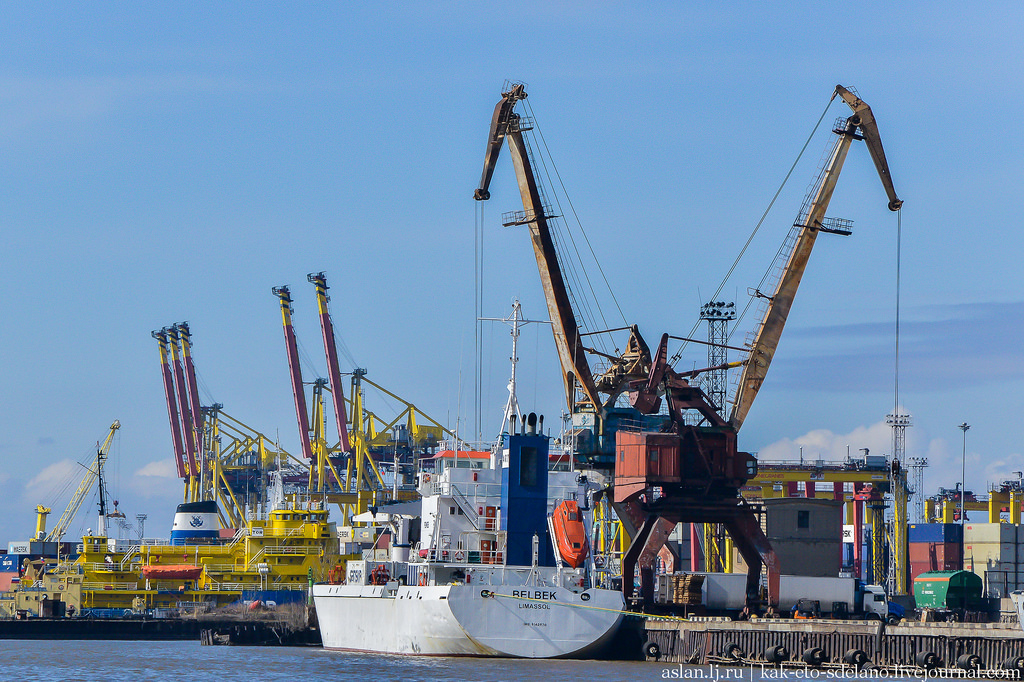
(824, 642)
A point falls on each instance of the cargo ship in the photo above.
(487, 577)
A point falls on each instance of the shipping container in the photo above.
(935, 532)
(990, 533)
(941, 556)
(984, 554)
(917, 569)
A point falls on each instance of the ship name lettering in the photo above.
(535, 594)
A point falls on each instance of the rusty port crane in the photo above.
(680, 471)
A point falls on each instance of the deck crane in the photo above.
(84, 488)
(706, 471)
(860, 126)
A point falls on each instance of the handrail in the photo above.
(127, 559)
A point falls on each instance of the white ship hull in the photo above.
(467, 620)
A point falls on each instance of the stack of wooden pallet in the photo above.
(686, 588)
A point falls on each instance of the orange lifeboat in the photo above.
(570, 534)
(172, 572)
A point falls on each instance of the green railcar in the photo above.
(948, 590)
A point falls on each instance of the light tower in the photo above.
(898, 484)
(917, 467)
(717, 548)
(963, 476)
(713, 382)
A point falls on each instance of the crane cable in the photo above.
(735, 264)
(896, 362)
(557, 176)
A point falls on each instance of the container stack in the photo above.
(935, 547)
(995, 552)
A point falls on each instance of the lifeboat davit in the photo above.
(570, 533)
(172, 572)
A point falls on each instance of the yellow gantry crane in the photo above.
(84, 488)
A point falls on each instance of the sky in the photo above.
(173, 162)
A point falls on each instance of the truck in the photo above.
(724, 594)
(803, 596)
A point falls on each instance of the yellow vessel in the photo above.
(271, 560)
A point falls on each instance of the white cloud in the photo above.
(162, 468)
(947, 463)
(826, 445)
(50, 483)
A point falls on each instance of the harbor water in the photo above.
(89, 661)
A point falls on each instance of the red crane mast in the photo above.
(191, 386)
(331, 350)
(172, 404)
(186, 416)
(284, 294)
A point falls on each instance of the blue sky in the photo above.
(174, 162)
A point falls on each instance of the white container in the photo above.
(975, 533)
(988, 554)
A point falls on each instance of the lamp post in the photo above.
(963, 477)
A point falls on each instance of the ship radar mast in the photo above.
(515, 321)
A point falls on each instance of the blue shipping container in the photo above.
(936, 532)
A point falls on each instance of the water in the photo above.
(86, 661)
(104, 661)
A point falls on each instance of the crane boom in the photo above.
(84, 488)
(294, 371)
(571, 352)
(859, 126)
(172, 403)
(187, 431)
(319, 280)
(192, 388)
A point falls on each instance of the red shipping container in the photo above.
(920, 552)
(917, 569)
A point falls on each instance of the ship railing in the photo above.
(291, 549)
(241, 533)
(230, 587)
(128, 556)
(222, 568)
(467, 508)
(101, 566)
(100, 585)
(91, 547)
(256, 557)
